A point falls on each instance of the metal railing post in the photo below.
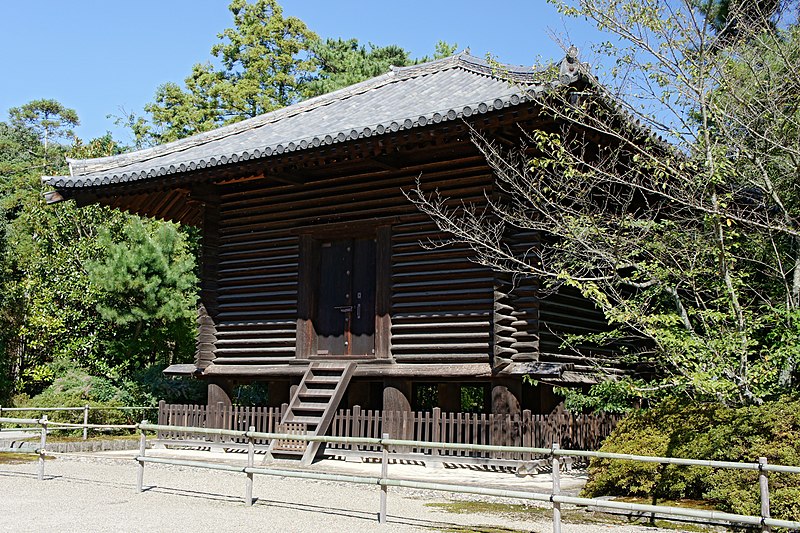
(251, 453)
(355, 427)
(384, 475)
(85, 421)
(763, 486)
(142, 451)
(556, 491)
(42, 445)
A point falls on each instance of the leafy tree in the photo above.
(264, 62)
(733, 19)
(689, 244)
(345, 62)
(147, 280)
(48, 120)
(49, 313)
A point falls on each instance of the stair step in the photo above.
(294, 453)
(308, 420)
(313, 406)
(330, 365)
(316, 393)
(309, 406)
(324, 379)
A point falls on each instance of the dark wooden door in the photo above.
(345, 320)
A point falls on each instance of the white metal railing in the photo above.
(384, 481)
(85, 408)
(764, 521)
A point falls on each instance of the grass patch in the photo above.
(10, 458)
(483, 529)
(55, 437)
(513, 510)
(685, 503)
(572, 516)
(79, 438)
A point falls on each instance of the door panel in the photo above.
(335, 274)
(345, 314)
(362, 322)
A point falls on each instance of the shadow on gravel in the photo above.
(27, 475)
(259, 503)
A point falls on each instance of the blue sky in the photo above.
(100, 57)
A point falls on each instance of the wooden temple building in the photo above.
(314, 278)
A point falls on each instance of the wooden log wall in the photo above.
(440, 301)
(207, 309)
(516, 306)
(568, 312)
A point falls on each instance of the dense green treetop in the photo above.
(51, 310)
(265, 61)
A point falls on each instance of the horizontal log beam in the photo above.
(466, 370)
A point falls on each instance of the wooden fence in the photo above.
(576, 431)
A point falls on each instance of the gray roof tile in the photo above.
(404, 98)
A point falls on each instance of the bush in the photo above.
(150, 385)
(708, 432)
(75, 387)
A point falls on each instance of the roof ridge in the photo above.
(79, 166)
(462, 60)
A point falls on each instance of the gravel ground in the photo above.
(90, 493)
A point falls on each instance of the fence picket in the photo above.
(577, 431)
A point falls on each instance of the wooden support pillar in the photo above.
(219, 408)
(398, 421)
(219, 398)
(548, 401)
(220, 390)
(450, 397)
(506, 396)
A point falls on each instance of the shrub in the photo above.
(771, 430)
(150, 385)
(74, 386)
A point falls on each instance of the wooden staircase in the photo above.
(311, 409)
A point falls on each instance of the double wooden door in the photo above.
(345, 314)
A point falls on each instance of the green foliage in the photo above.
(75, 387)
(48, 119)
(611, 396)
(147, 282)
(50, 308)
(666, 194)
(711, 432)
(473, 398)
(345, 62)
(264, 62)
(251, 394)
(150, 385)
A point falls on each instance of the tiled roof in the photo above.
(404, 98)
